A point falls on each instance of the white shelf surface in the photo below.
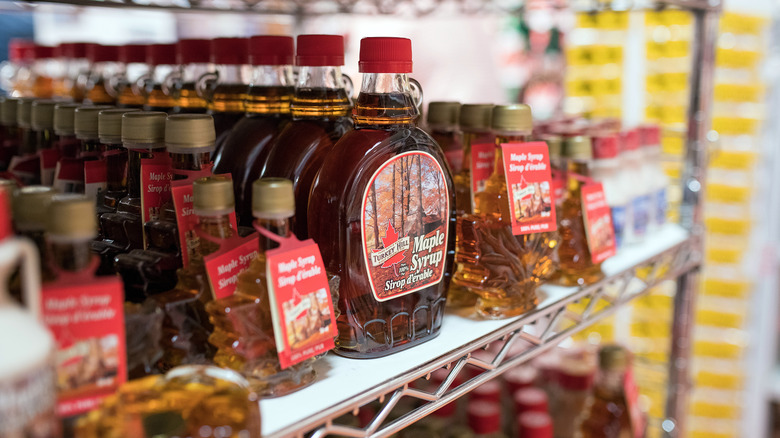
(340, 379)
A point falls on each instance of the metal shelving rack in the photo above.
(675, 254)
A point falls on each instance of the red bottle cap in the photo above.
(530, 400)
(320, 50)
(161, 54)
(385, 55)
(489, 391)
(483, 417)
(230, 51)
(271, 50)
(101, 53)
(605, 146)
(43, 52)
(5, 214)
(650, 135)
(520, 378)
(629, 140)
(535, 425)
(21, 50)
(576, 378)
(132, 53)
(77, 50)
(193, 51)
(548, 365)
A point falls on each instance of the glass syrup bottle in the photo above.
(503, 269)
(43, 72)
(27, 169)
(134, 67)
(475, 124)
(42, 122)
(442, 121)
(30, 205)
(186, 326)
(608, 415)
(143, 136)
(193, 55)
(161, 59)
(103, 68)
(10, 133)
(189, 139)
(66, 142)
(225, 89)
(115, 154)
(86, 119)
(320, 110)
(391, 267)
(243, 328)
(77, 64)
(245, 150)
(576, 265)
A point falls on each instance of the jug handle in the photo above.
(417, 94)
(25, 256)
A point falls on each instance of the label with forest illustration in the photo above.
(529, 187)
(404, 225)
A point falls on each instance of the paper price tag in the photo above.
(49, 158)
(26, 169)
(529, 187)
(301, 304)
(224, 266)
(87, 320)
(598, 223)
(69, 176)
(156, 179)
(95, 177)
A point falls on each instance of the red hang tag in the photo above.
(454, 159)
(156, 179)
(49, 158)
(631, 390)
(558, 185)
(224, 266)
(95, 177)
(26, 168)
(86, 317)
(598, 223)
(68, 146)
(69, 176)
(483, 156)
(186, 221)
(529, 187)
(301, 304)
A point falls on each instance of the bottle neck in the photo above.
(218, 226)
(70, 255)
(319, 92)
(191, 161)
(271, 90)
(280, 227)
(577, 167)
(611, 382)
(230, 92)
(385, 100)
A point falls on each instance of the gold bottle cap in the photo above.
(65, 118)
(273, 198)
(31, 206)
(213, 196)
(476, 116)
(443, 113)
(24, 112)
(42, 116)
(554, 144)
(72, 217)
(8, 110)
(613, 358)
(189, 133)
(143, 127)
(512, 118)
(85, 121)
(110, 124)
(578, 148)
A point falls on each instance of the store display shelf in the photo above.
(489, 347)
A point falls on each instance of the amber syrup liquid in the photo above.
(501, 268)
(116, 183)
(607, 415)
(186, 326)
(576, 266)
(384, 128)
(246, 148)
(244, 332)
(157, 100)
(98, 95)
(129, 99)
(320, 119)
(227, 107)
(189, 101)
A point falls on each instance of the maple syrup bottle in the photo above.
(87, 129)
(443, 126)
(186, 326)
(134, 67)
(30, 206)
(76, 65)
(243, 327)
(161, 59)
(320, 111)
(608, 414)
(27, 166)
(71, 224)
(245, 150)
(115, 154)
(143, 136)
(225, 89)
(189, 139)
(66, 142)
(576, 265)
(43, 71)
(99, 79)
(10, 133)
(193, 55)
(382, 211)
(501, 268)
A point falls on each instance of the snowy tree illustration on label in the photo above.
(404, 225)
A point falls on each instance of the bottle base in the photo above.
(377, 353)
